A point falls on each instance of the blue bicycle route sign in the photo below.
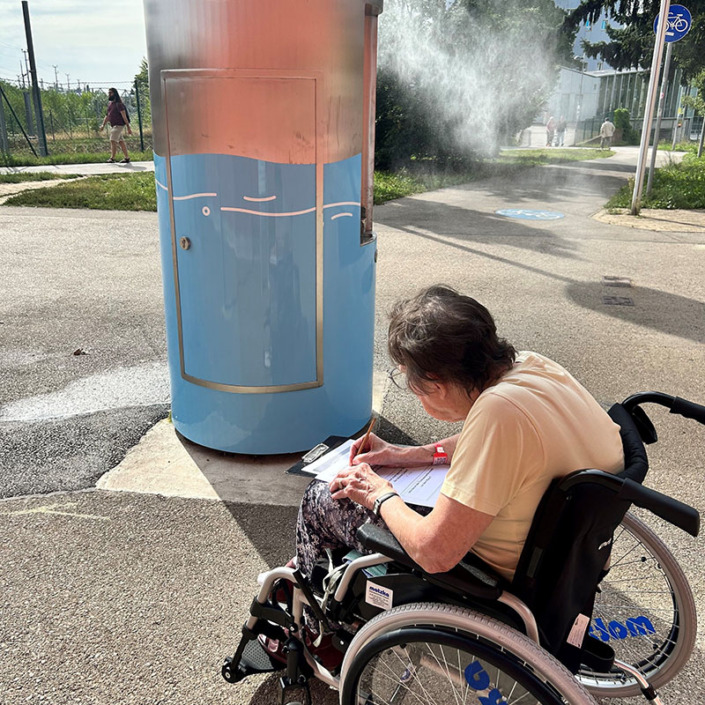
(678, 23)
(525, 214)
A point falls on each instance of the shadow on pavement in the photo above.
(659, 310)
(598, 165)
(270, 528)
(557, 181)
(261, 496)
(469, 225)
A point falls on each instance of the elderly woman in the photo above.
(526, 422)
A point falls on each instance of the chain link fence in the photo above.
(71, 118)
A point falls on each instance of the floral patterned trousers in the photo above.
(324, 522)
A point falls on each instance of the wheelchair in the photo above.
(597, 607)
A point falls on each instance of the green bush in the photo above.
(622, 122)
(676, 186)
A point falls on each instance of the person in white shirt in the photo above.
(606, 133)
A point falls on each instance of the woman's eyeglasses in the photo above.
(398, 378)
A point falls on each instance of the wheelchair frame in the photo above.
(403, 620)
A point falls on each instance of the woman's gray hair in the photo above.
(442, 335)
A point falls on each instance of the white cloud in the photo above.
(99, 43)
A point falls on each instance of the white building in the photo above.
(576, 96)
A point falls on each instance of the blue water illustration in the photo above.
(245, 320)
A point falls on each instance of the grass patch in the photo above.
(33, 176)
(391, 185)
(551, 155)
(72, 157)
(675, 186)
(691, 147)
(118, 192)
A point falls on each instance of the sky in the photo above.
(95, 42)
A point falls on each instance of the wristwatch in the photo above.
(380, 500)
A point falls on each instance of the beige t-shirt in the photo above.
(537, 423)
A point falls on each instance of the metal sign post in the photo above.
(657, 131)
(679, 23)
(649, 112)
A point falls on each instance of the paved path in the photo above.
(133, 593)
(85, 169)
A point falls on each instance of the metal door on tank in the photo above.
(245, 205)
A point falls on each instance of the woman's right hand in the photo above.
(379, 452)
(375, 452)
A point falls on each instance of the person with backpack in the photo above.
(119, 119)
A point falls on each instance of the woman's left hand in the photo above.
(361, 484)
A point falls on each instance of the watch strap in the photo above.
(380, 500)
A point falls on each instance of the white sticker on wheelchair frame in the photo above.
(577, 631)
(379, 596)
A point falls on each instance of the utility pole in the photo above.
(649, 111)
(139, 115)
(68, 83)
(56, 78)
(41, 134)
(661, 101)
(4, 144)
(679, 118)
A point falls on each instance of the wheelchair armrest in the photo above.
(470, 577)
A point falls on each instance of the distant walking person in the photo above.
(560, 132)
(606, 133)
(550, 131)
(118, 119)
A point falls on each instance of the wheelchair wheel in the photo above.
(433, 653)
(644, 610)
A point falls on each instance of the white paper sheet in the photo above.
(415, 485)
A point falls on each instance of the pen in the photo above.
(367, 435)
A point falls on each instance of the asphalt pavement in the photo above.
(131, 554)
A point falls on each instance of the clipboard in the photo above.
(318, 451)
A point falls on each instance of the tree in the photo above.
(631, 45)
(697, 103)
(142, 78)
(456, 80)
(623, 124)
(142, 85)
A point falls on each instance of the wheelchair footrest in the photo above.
(254, 659)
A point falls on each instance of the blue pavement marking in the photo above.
(525, 214)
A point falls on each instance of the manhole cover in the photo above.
(525, 214)
(617, 301)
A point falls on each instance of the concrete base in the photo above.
(167, 464)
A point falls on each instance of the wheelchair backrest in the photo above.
(569, 543)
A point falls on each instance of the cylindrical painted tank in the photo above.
(263, 121)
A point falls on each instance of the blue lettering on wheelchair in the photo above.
(478, 679)
(379, 591)
(635, 626)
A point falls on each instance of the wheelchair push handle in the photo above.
(671, 510)
(676, 405)
(689, 409)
